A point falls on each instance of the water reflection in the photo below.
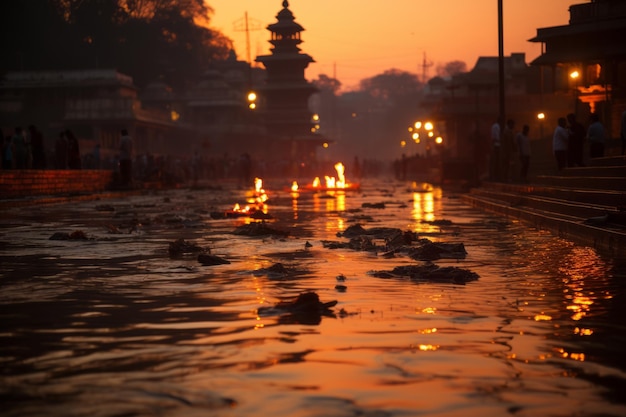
(113, 326)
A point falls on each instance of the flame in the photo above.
(256, 202)
(341, 182)
(294, 186)
(333, 183)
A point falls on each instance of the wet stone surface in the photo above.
(381, 302)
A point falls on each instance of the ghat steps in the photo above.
(583, 204)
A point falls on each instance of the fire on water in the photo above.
(331, 183)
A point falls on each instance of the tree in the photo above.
(391, 85)
(452, 68)
(142, 38)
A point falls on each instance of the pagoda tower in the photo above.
(285, 94)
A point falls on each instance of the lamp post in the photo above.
(574, 75)
(425, 131)
(541, 117)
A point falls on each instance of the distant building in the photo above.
(94, 104)
(587, 58)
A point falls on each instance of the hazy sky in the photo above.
(356, 39)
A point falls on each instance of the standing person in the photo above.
(523, 145)
(60, 151)
(495, 150)
(37, 146)
(623, 132)
(19, 149)
(126, 157)
(7, 153)
(73, 151)
(596, 136)
(559, 143)
(576, 144)
(507, 150)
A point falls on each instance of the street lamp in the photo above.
(426, 130)
(575, 75)
(541, 117)
(252, 100)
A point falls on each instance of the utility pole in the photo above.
(246, 25)
(425, 65)
(501, 65)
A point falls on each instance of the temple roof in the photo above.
(286, 22)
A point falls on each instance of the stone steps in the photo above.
(584, 204)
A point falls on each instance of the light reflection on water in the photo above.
(113, 326)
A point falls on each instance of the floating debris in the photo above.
(305, 309)
(105, 207)
(429, 273)
(210, 260)
(373, 205)
(181, 247)
(279, 270)
(76, 235)
(259, 229)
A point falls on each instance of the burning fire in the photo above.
(256, 202)
(332, 183)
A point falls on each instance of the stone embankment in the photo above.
(583, 204)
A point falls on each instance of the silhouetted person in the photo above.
(73, 151)
(245, 169)
(7, 153)
(523, 146)
(507, 151)
(60, 151)
(495, 170)
(37, 147)
(596, 136)
(19, 149)
(623, 132)
(559, 143)
(576, 144)
(126, 157)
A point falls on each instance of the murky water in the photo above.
(113, 326)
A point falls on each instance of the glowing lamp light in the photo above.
(416, 136)
(325, 145)
(428, 126)
(541, 116)
(418, 125)
(402, 143)
(252, 100)
(574, 74)
(438, 140)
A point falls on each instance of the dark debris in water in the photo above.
(75, 235)
(181, 247)
(429, 273)
(305, 309)
(259, 229)
(210, 260)
(279, 270)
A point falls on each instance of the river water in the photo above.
(112, 325)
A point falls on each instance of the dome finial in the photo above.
(285, 4)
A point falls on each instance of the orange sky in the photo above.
(356, 39)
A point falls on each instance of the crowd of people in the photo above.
(510, 156)
(25, 149)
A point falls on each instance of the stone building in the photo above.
(284, 98)
(94, 104)
(587, 58)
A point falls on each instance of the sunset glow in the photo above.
(352, 39)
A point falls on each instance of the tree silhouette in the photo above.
(146, 39)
